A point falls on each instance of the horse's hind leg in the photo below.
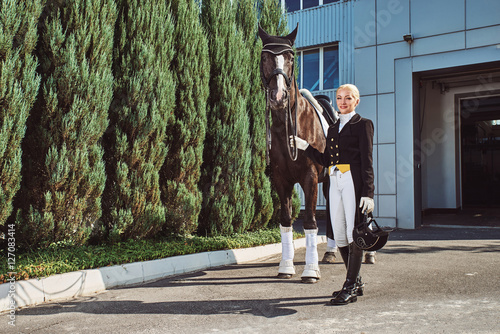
(311, 273)
(286, 267)
(331, 246)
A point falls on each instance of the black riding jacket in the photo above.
(354, 146)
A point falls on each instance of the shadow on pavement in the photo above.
(268, 308)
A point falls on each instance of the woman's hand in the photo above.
(366, 204)
(301, 143)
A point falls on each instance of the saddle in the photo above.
(324, 109)
(326, 115)
(330, 115)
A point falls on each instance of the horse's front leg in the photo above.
(311, 273)
(284, 189)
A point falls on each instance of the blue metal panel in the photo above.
(441, 43)
(386, 121)
(386, 169)
(330, 93)
(368, 108)
(387, 206)
(482, 13)
(482, 37)
(364, 28)
(385, 64)
(366, 70)
(456, 58)
(387, 222)
(393, 20)
(318, 25)
(431, 17)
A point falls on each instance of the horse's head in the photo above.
(277, 67)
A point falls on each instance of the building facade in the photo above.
(429, 76)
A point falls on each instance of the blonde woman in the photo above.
(348, 155)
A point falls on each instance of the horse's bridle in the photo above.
(293, 153)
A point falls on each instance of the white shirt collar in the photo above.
(344, 118)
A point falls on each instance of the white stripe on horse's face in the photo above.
(280, 60)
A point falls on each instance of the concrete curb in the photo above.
(91, 281)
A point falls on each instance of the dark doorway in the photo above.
(480, 151)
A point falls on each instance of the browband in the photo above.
(279, 47)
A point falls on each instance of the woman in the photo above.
(348, 155)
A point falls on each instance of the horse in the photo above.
(292, 114)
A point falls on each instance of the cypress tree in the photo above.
(140, 113)
(226, 168)
(186, 135)
(65, 157)
(256, 105)
(272, 17)
(19, 85)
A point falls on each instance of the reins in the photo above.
(292, 152)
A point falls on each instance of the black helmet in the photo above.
(369, 236)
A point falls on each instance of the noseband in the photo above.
(282, 48)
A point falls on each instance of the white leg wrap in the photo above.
(287, 251)
(331, 246)
(311, 268)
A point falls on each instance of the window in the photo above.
(294, 5)
(319, 68)
(309, 3)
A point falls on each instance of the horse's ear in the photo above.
(291, 36)
(262, 34)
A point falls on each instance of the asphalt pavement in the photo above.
(430, 280)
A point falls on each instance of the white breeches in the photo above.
(342, 207)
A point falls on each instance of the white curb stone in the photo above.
(88, 282)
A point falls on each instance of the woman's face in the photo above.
(346, 102)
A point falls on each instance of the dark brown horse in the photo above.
(291, 114)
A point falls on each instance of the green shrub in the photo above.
(256, 105)
(186, 134)
(64, 169)
(18, 89)
(226, 178)
(142, 109)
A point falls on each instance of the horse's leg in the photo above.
(331, 247)
(286, 267)
(311, 273)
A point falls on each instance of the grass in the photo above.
(62, 258)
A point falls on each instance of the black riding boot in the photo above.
(344, 252)
(349, 292)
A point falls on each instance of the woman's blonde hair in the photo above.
(350, 87)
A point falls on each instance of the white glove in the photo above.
(366, 204)
(301, 143)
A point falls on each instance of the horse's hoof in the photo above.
(284, 276)
(329, 257)
(370, 257)
(310, 280)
